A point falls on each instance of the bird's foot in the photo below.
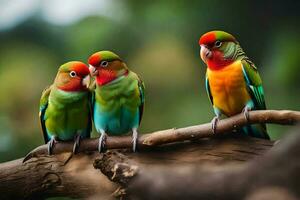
(76, 143)
(102, 141)
(51, 144)
(214, 123)
(246, 113)
(134, 139)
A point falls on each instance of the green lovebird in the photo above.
(65, 109)
(118, 98)
(233, 83)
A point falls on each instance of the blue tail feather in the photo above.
(256, 130)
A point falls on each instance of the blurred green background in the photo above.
(157, 39)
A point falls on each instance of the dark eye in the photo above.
(72, 73)
(218, 43)
(104, 63)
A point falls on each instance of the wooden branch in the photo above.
(50, 176)
(63, 175)
(284, 117)
(152, 170)
(275, 175)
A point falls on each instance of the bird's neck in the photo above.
(230, 54)
(107, 76)
(218, 61)
(59, 96)
(72, 86)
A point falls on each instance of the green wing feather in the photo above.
(91, 98)
(141, 86)
(217, 111)
(207, 87)
(92, 88)
(254, 84)
(255, 89)
(43, 107)
(92, 101)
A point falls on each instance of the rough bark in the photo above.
(274, 175)
(63, 175)
(48, 176)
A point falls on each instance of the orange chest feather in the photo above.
(228, 88)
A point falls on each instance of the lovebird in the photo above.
(233, 83)
(118, 97)
(65, 107)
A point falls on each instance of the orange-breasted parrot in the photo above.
(65, 109)
(232, 81)
(118, 98)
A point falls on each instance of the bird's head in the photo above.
(217, 49)
(106, 66)
(73, 76)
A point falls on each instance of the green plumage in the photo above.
(65, 114)
(118, 99)
(254, 84)
(65, 105)
(119, 105)
(255, 89)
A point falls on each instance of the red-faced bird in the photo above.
(232, 82)
(65, 109)
(118, 99)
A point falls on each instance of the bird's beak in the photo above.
(205, 53)
(86, 81)
(93, 70)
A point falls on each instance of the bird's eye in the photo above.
(218, 43)
(72, 73)
(104, 63)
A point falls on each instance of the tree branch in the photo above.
(51, 176)
(284, 117)
(185, 166)
(274, 175)
(73, 176)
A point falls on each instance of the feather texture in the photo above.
(232, 80)
(119, 105)
(65, 114)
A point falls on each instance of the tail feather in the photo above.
(256, 130)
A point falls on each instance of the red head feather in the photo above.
(212, 36)
(95, 59)
(207, 38)
(212, 54)
(68, 82)
(80, 68)
(109, 72)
